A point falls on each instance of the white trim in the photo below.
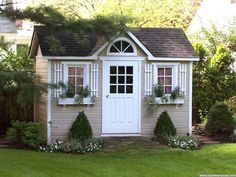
(85, 65)
(120, 135)
(139, 44)
(75, 63)
(71, 57)
(172, 59)
(49, 118)
(190, 97)
(100, 49)
(121, 58)
(121, 53)
(140, 94)
(174, 67)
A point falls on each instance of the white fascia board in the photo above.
(139, 44)
(172, 59)
(121, 58)
(70, 58)
(100, 49)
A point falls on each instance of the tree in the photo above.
(147, 13)
(213, 77)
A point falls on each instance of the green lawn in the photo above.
(211, 159)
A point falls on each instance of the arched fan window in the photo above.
(122, 47)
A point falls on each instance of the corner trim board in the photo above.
(190, 96)
(49, 118)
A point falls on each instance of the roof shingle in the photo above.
(161, 42)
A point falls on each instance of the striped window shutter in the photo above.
(183, 78)
(148, 79)
(57, 79)
(94, 79)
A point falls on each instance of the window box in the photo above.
(167, 100)
(73, 101)
(66, 101)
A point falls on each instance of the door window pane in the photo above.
(113, 89)
(121, 79)
(121, 70)
(113, 70)
(113, 79)
(129, 89)
(129, 69)
(121, 89)
(129, 79)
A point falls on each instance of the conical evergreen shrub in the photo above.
(164, 127)
(81, 128)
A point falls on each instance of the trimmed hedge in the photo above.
(164, 127)
(81, 128)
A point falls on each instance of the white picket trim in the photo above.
(183, 78)
(57, 78)
(148, 79)
(94, 79)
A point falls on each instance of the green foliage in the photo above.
(231, 103)
(81, 129)
(213, 78)
(27, 134)
(164, 126)
(176, 93)
(184, 142)
(151, 103)
(220, 119)
(85, 92)
(145, 13)
(158, 90)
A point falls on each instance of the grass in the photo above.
(163, 162)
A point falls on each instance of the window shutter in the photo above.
(94, 79)
(182, 77)
(57, 79)
(148, 79)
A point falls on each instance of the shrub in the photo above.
(74, 146)
(29, 134)
(81, 129)
(220, 119)
(183, 142)
(231, 103)
(164, 127)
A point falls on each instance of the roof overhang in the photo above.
(172, 59)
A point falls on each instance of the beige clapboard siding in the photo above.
(180, 116)
(41, 66)
(62, 119)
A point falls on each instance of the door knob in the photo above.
(107, 96)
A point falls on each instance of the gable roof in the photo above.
(160, 42)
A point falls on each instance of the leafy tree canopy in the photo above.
(146, 13)
(214, 79)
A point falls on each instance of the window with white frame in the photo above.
(77, 76)
(122, 46)
(166, 75)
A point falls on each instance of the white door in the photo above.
(121, 111)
